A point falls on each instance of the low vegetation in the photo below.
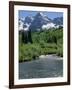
(43, 43)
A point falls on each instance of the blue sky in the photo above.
(51, 15)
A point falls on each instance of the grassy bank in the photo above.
(30, 52)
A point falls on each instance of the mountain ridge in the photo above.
(39, 21)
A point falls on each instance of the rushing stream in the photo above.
(47, 66)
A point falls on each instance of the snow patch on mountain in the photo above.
(48, 26)
(20, 24)
(26, 27)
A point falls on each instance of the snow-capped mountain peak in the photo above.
(40, 14)
(39, 20)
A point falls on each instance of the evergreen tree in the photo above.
(29, 36)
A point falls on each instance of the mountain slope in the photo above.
(58, 21)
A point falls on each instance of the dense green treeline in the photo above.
(43, 43)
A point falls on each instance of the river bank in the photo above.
(50, 56)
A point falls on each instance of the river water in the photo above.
(44, 67)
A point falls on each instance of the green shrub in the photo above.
(28, 52)
(60, 50)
